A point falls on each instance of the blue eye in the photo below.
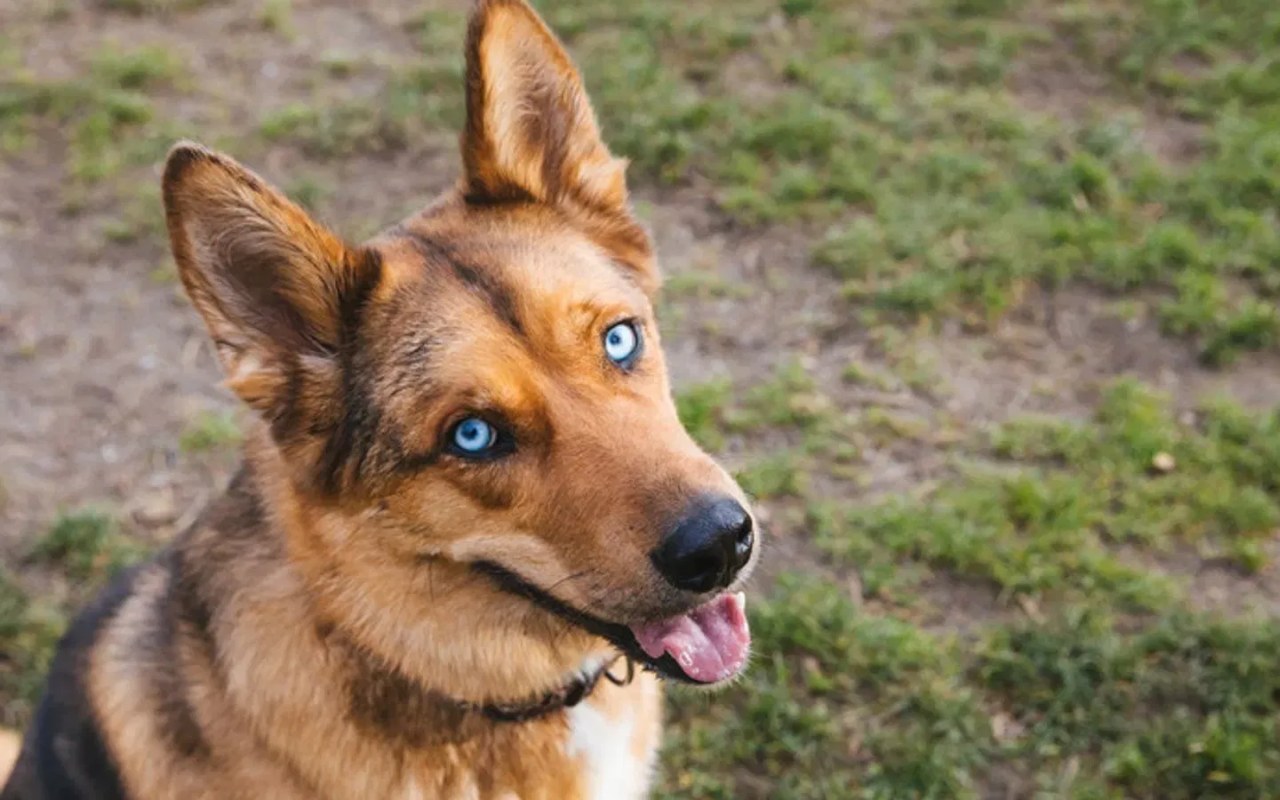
(622, 343)
(473, 436)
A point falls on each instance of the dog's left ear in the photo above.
(531, 134)
(278, 291)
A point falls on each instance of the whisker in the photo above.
(570, 577)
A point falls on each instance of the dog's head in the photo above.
(483, 384)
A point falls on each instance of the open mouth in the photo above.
(709, 644)
(704, 646)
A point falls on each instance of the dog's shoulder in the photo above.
(64, 755)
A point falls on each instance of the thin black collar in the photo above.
(567, 696)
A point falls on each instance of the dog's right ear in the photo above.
(279, 293)
(531, 134)
(530, 131)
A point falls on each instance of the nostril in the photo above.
(699, 572)
(744, 542)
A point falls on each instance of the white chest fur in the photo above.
(605, 746)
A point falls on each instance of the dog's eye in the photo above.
(622, 343)
(474, 437)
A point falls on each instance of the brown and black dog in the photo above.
(467, 511)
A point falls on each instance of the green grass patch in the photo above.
(943, 194)
(418, 101)
(780, 475)
(142, 7)
(108, 114)
(277, 16)
(210, 430)
(837, 704)
(28, 635)
(702, 408)
(843, 703)
(86, 545)
(1048, 511)
(1181, 708)
(787, 399)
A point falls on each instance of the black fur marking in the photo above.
(356, 433)
(409, 463)
(499, 299)
(176, 718)
(284, 423)
(479, 281)
(237, 523)
(64, 756)
(620, 636)
(352, 299)
(383, 701)
(192, 607)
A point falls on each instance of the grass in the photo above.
(411, 106)
(1113, 682)
(1052, 506)
(86, 546)
(702, 410)
(1180, 708)
(108, 115)
(210, 430)
(28, 633)
(842, 703)
(941, 193)
(277, 16)
(141, 7)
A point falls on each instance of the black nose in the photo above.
(709, 546)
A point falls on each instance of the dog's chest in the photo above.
(603, 748)
(613, 738)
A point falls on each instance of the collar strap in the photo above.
(566, 696)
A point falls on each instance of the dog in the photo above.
(469, 533)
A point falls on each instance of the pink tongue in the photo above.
(709, 643)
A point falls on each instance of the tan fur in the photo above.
(314, 634)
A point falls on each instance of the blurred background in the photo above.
(978, 297)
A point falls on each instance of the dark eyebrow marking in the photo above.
(479, 281)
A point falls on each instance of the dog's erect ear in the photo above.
(277, 291)
(531, 133)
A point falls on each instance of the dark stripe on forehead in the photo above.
(479, 281)
(499, 299)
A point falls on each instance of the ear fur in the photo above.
(278, 292)
(531, 133)
(532, 136)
